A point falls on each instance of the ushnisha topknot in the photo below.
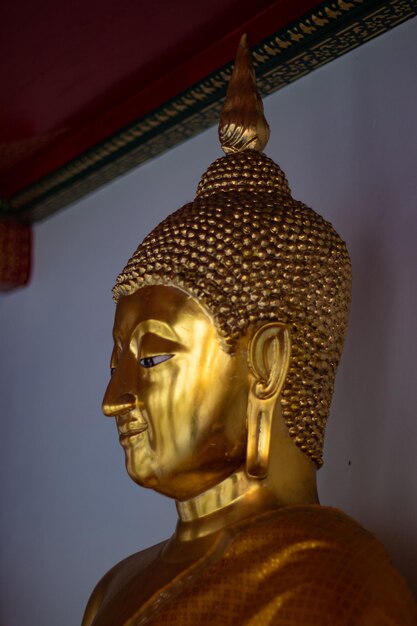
(251, 254)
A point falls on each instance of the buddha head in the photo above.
(231, 315)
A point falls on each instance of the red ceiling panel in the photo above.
(75, 72)
(75, 75)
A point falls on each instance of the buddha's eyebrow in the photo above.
(157, 327)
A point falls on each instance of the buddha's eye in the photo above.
(112, 370)
(151, 361)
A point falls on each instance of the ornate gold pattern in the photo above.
(321, 36)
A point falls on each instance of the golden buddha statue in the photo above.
(229, 326)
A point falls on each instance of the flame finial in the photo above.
(242, 123)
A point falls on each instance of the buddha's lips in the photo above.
(127, 430)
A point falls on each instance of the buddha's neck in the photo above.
(234, 499)
(228, 493)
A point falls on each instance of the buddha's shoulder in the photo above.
(318, 552)
(315, 523)
(310, 532)
(119, 577)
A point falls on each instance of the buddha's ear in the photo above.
(269, 358)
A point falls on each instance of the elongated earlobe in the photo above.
(269, 357)
(259, 440)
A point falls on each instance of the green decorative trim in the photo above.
(321, 35)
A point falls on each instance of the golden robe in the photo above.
(295, 566)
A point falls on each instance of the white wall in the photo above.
(346, 136)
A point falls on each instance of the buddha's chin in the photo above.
(148, 478)
(144, 469)
(140, 465)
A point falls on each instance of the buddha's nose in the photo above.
(114, 406)
(121, 393)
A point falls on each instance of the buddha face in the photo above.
(178, 398)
